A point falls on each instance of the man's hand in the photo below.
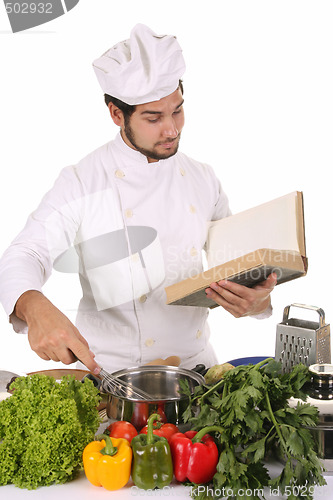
(51, 334)
(240, 300)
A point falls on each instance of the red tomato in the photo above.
(122, 429)
(165, 430)
(140, 415)
(160, 411)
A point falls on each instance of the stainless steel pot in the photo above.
(163, 383)
(321, 395)
(323, 437)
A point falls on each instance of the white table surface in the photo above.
(81, 489)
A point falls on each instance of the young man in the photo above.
(131, 219)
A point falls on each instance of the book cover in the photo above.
(247, 247)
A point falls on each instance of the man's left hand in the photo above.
(240, 300)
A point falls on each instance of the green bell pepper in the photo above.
(152, 461)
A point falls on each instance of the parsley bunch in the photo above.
(251, 404)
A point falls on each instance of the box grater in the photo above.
(302, 341)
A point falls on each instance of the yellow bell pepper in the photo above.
(108, 462)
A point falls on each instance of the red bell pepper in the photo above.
(194, 455)
(159, 429)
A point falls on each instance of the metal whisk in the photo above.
(120, 388)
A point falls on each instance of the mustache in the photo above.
(169, 141)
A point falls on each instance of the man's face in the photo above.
(154, 128)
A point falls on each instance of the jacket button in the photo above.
(129, 213)
(149, 342)
(182, 171)
(119, 174)
(134, 257)
(199, 334)
(193, 252)
(192, 209)
(143, 298)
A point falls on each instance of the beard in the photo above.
(150, 153)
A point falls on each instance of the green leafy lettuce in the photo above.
(44, 428)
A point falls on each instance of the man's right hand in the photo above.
(51, 334)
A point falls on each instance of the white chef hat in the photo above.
(143, 69)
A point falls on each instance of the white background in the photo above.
(259, 109)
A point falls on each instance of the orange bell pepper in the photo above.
(108, 462)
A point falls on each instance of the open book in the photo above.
(247, 247)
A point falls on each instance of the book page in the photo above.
(270, 225)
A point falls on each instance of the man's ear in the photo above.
(116, 115)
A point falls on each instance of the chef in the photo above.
(130, 218)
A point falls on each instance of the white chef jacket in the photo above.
(130, 228)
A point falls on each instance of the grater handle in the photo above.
(303, 306)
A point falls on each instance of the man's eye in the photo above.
(153, 120)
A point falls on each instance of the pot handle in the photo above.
(200, 368)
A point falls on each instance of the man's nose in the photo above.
(170, 129)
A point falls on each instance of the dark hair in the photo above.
(128, 109)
